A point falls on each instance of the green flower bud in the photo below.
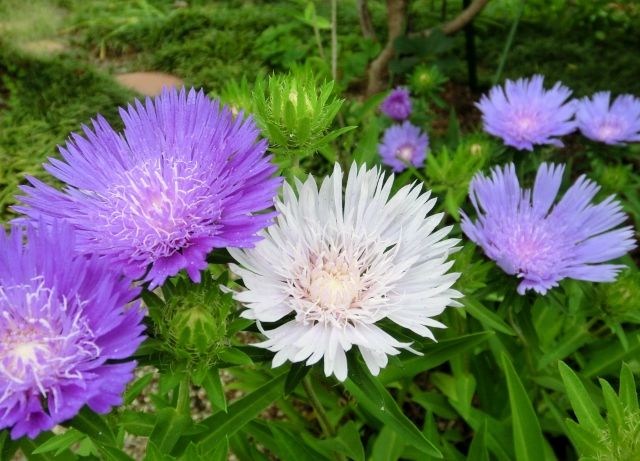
(295, 113)
(618, 299)
(195, 329)
(427, 80)
(191, 322)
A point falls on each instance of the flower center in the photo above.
(405, 152)
(25, 353)
(158, 207)
(609, 130)
(334, 285)
(525, 124)
(42, 338)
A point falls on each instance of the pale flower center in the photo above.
(524, 124)
(608, 130)
(405, 153)
(25, 352)
(334, 285)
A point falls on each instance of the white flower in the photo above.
(342, 265)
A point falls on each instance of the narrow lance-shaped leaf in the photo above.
(367, 392)
(586, 411)
(527, 435)
(241, 412)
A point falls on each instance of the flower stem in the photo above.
(184, 400)
(321, 415)
(323, 419)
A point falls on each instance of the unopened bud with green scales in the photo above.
(191, 320)
(427, 80)
(296, 113)
(619, 299)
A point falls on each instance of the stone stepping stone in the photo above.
(148, 83)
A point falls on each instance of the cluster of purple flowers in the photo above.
(523, 113)
(184, 177)
(521, 229)
(403, 143)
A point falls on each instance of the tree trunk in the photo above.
(378, 69)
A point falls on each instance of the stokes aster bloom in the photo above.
(340, 265)
(397, 105)
(523, 113)
(615, 124)
(185, 178)
(62, 319)
(403, 143)
(542, 243)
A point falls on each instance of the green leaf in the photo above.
(609, 355)
(169, 426)
(628, 392)
(527, 435)
(586, 442)
(111, 453)
(586, 411)
(241, 412)
(292, 447)
(478, 448)
(191, 454)
(486, 317)
(60, 442)
(296, 373)
(153, 453)
(434, 354)
(565, 347)
(388, 446)
(350, 441)
(94, 426)
(209, 379)
(366, 394)
(137, 422)
(28, 446)
(615, 412)
(235, 356)
(136, 388)
(361, 377)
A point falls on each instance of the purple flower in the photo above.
(523, 113)
(398, 104)
(403, 143)
(542, 243)
(615, 124)
(185, 178)
(63, 321)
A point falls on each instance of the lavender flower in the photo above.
(543, 243)
(403, 143)
(185, 178)
(63, 321)
(523, 113)
(615, 124)
(398, 104)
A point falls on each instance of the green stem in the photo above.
(509, 42)
(316, 34)
(184, 400)
(323, 419)
(321, 415)
(415, 172)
